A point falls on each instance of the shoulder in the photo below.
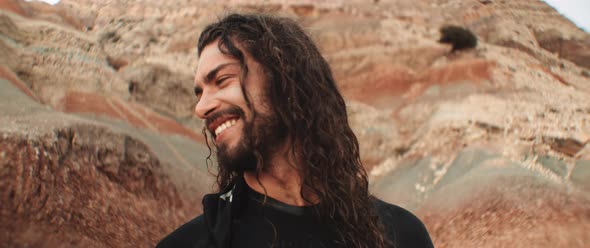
(191, 234)
(402, 227)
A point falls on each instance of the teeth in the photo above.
(225, 125)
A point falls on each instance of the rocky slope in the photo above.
(490, 147)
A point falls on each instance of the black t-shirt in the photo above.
(291, 226)
(259, 225)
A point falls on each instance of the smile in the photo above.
(224, 126)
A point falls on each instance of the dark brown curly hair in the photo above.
(305, 99)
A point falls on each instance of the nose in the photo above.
(206, 105)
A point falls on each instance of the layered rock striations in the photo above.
(490, 147)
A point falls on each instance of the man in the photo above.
(289, 170)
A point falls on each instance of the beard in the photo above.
(260, 136)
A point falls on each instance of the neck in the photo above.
(281, 178)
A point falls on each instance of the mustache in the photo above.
(229, 111)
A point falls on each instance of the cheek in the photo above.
(233, 95)
(259, 100)
(261, 105)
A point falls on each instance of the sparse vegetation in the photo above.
(110, 36)
(460, 38)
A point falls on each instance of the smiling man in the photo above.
(289, 170)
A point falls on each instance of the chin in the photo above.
(236, 156)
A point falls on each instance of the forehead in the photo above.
(211, 57)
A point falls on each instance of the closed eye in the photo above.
(221, 80)
(198, 92)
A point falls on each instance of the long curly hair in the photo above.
(304, 98)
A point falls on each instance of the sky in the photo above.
(576, 10)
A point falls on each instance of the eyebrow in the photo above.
(211, 75)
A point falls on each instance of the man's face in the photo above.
(232, 124)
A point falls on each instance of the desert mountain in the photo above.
(489, 146)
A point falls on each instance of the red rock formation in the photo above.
(499, 209)
(136, 115)
(382, 85)
(74, 188)
(12, 6)
(71, 182)
(9, 75)
(44, 11)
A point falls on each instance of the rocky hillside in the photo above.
(490, 146)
